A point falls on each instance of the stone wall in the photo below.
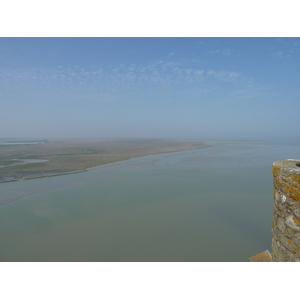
(286, 217)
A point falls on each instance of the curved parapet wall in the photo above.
(286, 217)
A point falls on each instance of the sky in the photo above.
(181, 88)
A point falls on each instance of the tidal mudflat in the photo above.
(209, 204)
(26, 160)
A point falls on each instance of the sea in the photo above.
(213, 204)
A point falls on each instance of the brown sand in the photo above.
(69, 156)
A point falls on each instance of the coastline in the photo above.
(36, 176)
(11, 176)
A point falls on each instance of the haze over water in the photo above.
(207, 205)
(211, 204)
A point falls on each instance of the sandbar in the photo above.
(61, 157)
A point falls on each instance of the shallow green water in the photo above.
(212, 204)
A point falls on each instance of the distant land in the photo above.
(27, 159)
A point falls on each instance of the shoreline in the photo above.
(42, 174)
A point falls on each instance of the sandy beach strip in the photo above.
(68, 157)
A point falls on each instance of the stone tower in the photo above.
(286, 216)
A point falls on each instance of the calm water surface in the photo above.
(212, 204)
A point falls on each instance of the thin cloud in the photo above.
(122, 78)
(224, 76)
(213, 51)
(224, 52)
(280, 54)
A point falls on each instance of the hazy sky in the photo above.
(150, 87)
